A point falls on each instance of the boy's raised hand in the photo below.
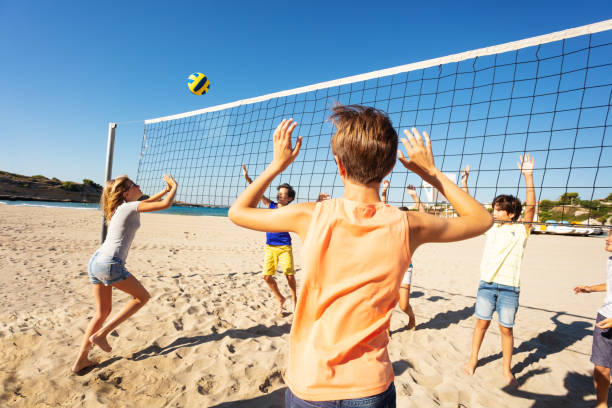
(411, 190)
(526, 165)
(465, 173)
(284, 152)
(323, 197)
(420, 157)
(245, 173)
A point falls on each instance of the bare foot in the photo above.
(282, 303)
(411, 320)
(512, 382)
(101, 342)
(82, 364)
(469, 368)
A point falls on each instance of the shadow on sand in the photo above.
(275, 399)
(443, 320)
(181, 342)
(545, 344)
(578, 387)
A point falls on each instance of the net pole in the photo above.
(110, 147)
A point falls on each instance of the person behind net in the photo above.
(355, 251)
(499, 286)
(278, 246)
(106, 267)
(601, 353)
(404, 291)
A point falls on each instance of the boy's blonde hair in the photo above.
(365, 141)
(112, 195)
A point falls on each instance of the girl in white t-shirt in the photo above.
(107, 265)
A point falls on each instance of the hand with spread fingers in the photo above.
(420, 156)
(526, 165)
(284, 151)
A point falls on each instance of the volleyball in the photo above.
(198, 83)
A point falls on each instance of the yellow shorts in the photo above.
(275, 255)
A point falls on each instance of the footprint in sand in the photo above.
(274, 378)
(178, 324)
(430, 380)
(404, 389)
(206, 384)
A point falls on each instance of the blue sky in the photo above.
(71, 67)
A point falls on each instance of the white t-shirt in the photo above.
(606, 309)
(121, 230)
(503, 254)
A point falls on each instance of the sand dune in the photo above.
(210, 336)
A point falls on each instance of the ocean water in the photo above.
(216, 211)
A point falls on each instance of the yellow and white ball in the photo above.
(198, 83)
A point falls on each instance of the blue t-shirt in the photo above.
(277, 238)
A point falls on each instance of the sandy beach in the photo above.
(210, 335)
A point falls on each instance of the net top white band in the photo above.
(496, 49)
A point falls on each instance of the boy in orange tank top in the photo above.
(355, 251)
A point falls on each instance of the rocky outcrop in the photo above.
(40, 188)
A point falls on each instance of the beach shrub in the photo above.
(569, 198)
(89, 182)
(71, 186)
(590, 205)
(547, 205)
(608, 198)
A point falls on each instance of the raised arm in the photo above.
(383, 193)
(526, 166)
(154, 204)
(465, 174)
(473, 219)
(415, 197)
(265, 200)
(296, 217)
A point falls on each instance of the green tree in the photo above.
(568, 198)
(547, 205)
(89, 182)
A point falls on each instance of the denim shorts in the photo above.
(107, 270)
(493, 296)
(385, 399)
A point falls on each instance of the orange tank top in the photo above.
(353, 258)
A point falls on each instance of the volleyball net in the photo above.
(548, 96)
